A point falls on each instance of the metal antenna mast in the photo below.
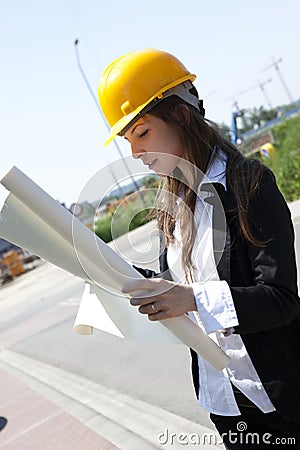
(76, 42)
(275, 64)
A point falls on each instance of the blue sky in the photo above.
(50, 127)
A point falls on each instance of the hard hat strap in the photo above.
(183, 91)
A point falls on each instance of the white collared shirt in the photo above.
(216, 313)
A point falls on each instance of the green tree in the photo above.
(150, 182)
(224, 130)
(125, 217)
(256, 117)
(103, 228)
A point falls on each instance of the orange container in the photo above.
(13, 261)
(11, 257)
(16, 269)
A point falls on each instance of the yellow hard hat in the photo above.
(137, 79)
(267, 150)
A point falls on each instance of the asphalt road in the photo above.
(37, 312)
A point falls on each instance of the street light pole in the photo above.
(76, 42)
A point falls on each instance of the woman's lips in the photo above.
(151, 163)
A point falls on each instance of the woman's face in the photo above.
(156, 143)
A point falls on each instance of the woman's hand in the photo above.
(159, 298)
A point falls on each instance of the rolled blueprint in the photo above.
(33, 220)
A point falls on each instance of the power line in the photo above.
(260, 84)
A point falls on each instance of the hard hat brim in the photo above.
(125, 121)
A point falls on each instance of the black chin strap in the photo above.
(201, 108)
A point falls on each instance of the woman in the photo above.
(249, 305)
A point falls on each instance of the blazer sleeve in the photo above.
(272, 301)
(147, 273)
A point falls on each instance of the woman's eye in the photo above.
(143, 133)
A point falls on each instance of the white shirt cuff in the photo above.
(215, 306)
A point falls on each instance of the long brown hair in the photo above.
(199, 140)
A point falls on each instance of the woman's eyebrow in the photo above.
(133, 129)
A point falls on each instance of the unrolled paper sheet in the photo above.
(33, 220)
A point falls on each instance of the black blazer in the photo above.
(263, 284)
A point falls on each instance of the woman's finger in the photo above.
(142, 284)
(138, 301)
(150, 309)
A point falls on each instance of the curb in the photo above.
(127, 422)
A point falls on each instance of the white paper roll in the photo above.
(34, 220)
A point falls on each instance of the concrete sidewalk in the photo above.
(49, 408)
(29, 421)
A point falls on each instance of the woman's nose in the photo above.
(135, 155)
(136, 151)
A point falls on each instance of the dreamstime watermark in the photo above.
(238, 436)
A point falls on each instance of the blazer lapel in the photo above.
(221, 200)
(223, 260)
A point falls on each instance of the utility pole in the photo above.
(276, 66)
(260, 85)
(76, 42)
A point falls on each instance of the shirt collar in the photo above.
(216, 172)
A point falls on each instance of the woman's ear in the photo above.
(182, 114)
